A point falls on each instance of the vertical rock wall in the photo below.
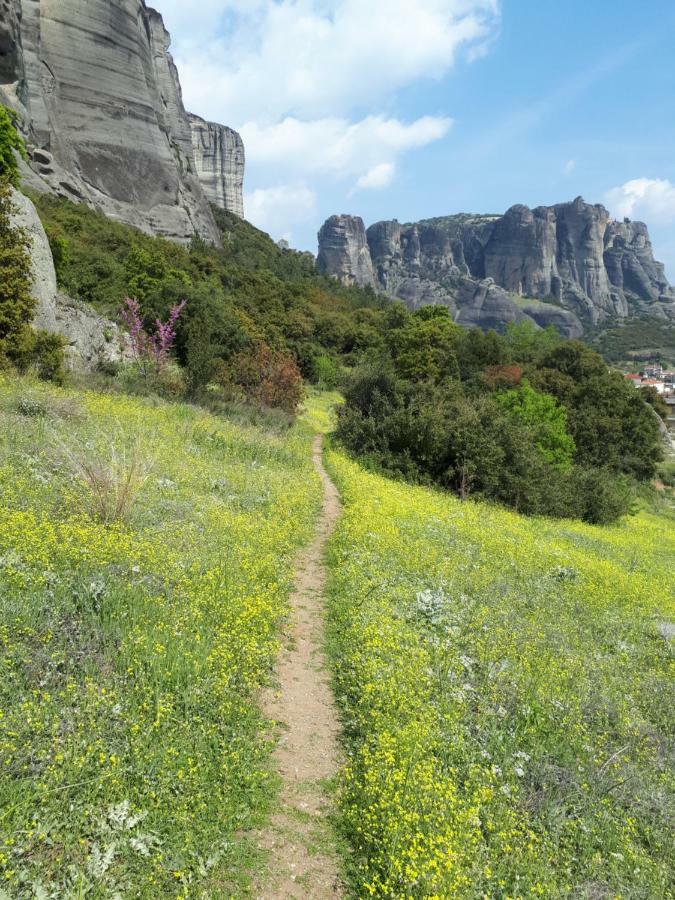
(103, 114)
(220, 161)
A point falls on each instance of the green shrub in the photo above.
(11, 144)
(47, 355)
(17, 305)
(326, 372)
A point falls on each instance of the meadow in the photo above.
(146, 554)
(506, 689)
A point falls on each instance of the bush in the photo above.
(602, 498)
(113, 478)
(326, 372)
(17, 305)
(48, 356)
(11, 144)
(267, 377)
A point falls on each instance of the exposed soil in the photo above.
(302, 858)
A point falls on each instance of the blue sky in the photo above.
(393, 109)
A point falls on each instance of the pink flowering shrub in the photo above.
(150, 350)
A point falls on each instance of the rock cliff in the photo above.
(102, 111)
(344, 251)
(568, 265)
(90, 339)
(220, 161)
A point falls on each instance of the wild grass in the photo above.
(138, 619)
(507, 692)
(113, 470)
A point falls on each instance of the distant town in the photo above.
(662, 381)
(654, 376)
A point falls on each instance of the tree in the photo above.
(423, 347)
(11, 144)
(544, 419)
(17, 305)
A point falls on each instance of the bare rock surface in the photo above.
(220, 162)
(90, 339)
(569, 265)
(42, 263)
(103, 115)
(344, 251)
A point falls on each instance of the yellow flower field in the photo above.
(131, 651)
(506, 686)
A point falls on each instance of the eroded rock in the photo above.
(220, 162)
(344, 252)
(567, 265)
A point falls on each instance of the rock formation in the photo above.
(567, 265)
(102, 111)
(344, 252)
(10, 40)
(90, 339)
(220, 161)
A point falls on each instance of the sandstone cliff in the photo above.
(220, 161)
(344, 252)
(567, 265)
(103, 114)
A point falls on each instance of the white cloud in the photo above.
(268, 59)
(377, 178)
(309, 84)
(277, 209)
(338, 147)
(652, 199)
(569, 167)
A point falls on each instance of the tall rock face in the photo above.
(10, 40)
(344, 252)
(567, 265)
(220, 161)
(102, 111)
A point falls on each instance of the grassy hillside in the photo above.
(246, 291)
(507, 696)
(145, 557)
(631, 343)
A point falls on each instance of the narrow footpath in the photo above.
(302, 859)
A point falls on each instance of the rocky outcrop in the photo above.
(220, 161)
(344, 252)
(567, 265)
(43, 274)
(90, 339)
(10, 40)
(92, 342)
(102, 111)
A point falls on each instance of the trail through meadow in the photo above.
(302, 856)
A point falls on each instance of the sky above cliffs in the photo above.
(391, 109)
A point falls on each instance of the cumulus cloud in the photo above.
(307, 83)
(338, 147)
(377, 178)
(652, 199)
(277, 209)
(275, 58)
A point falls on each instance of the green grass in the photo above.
(507, 697)
(132, 751)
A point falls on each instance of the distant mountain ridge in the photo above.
(569, 265)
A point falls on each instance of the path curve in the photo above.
(302, 858)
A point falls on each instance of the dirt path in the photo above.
(302, 860)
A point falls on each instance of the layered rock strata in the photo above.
(568, 265)
(344, 251)
(220, 162)
(102, 109)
